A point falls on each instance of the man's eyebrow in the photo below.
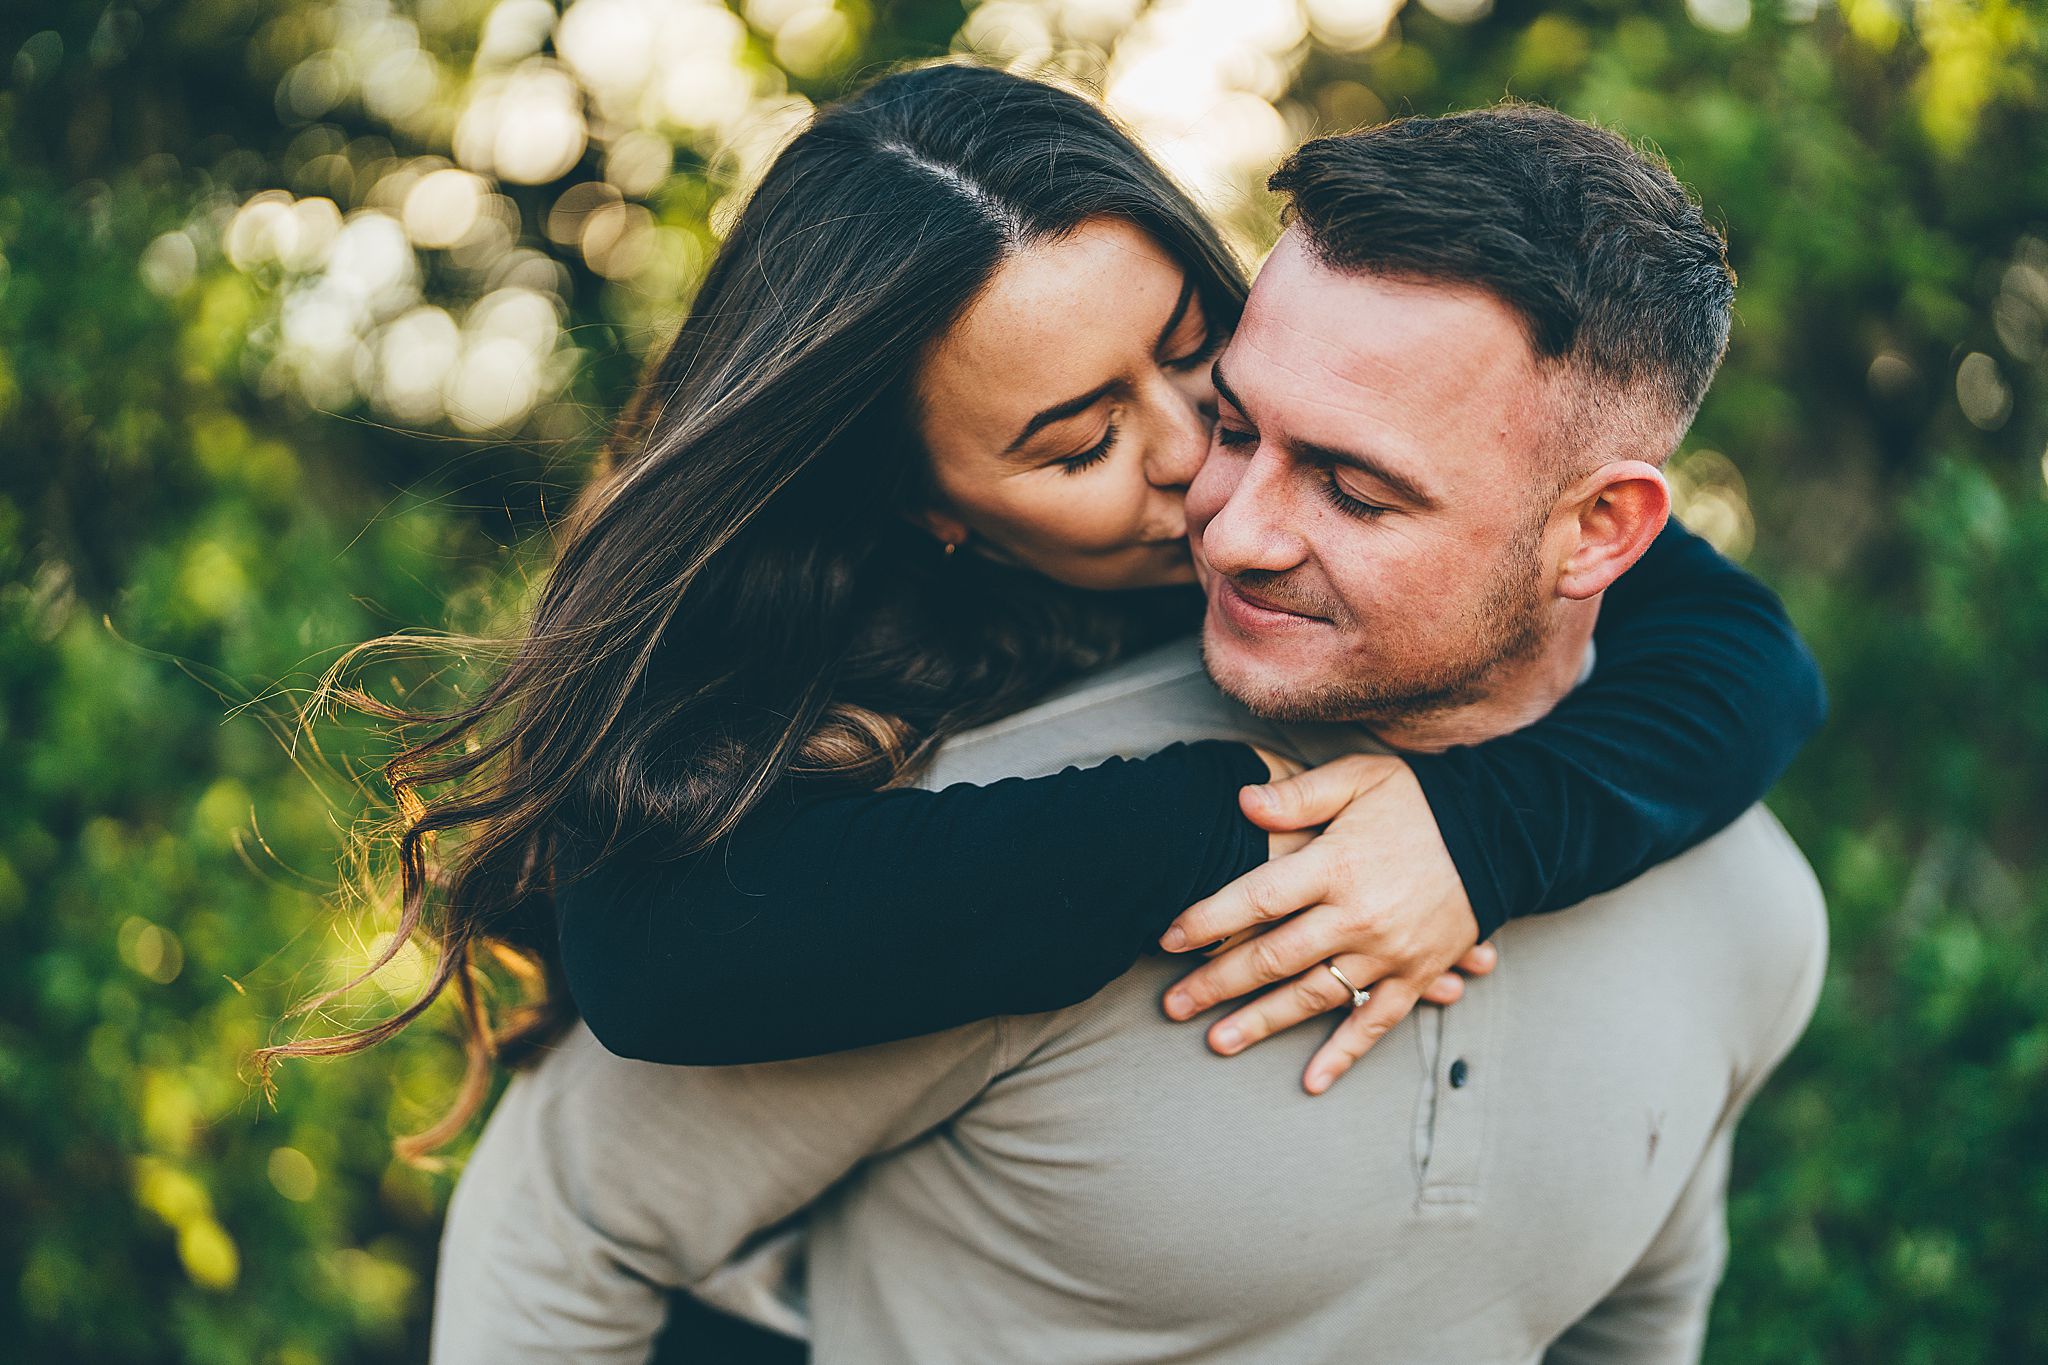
(1223, 387)
(1059, 412)
(1400, 483)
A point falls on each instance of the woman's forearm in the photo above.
(861, 919)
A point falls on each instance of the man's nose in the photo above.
(1253, 529)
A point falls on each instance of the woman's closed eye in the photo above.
(1211, 343)
(1094, 455)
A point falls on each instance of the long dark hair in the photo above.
(738, 600)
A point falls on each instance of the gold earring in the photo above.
(950, 547)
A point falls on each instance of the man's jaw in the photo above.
(1264, 676)
(1260, 650)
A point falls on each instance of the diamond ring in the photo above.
(1359, 995)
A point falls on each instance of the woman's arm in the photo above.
(840, 922)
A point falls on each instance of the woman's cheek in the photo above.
(1080, 516)
(1112, 516)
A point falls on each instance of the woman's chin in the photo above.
(1167, 565)
(1172, 574)
(1163, 565)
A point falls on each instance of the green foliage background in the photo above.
(184, 518)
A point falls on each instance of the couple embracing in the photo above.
(1008, 662)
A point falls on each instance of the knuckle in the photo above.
(1260, 897)
(1310, 994)
(1266, 960)
(1345, 866)
(1361, 922)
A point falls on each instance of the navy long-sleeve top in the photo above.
(848, 920)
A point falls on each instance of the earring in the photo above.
(951, 546)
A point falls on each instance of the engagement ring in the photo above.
(1358, 995)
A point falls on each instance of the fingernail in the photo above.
(1178, 1005)
(1174, 939)
(1318, 1083)
(1229, 1037)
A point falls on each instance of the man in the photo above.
(1441, 419)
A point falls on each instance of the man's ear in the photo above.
(1620, 509)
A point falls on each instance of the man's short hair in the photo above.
(1612, 267)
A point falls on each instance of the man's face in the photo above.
(1370, 524)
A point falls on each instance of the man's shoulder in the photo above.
(1136, 707)
(1749, 885)
(1746, 907)
(1753, 861)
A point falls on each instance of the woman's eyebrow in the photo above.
(1180, 310)
(1059, 412)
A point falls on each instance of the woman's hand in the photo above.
(1377, 894)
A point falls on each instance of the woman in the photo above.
(913, 460)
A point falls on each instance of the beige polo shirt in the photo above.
(1537, 1173)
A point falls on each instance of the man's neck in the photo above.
(1518, 694)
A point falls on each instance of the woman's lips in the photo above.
(1249, 611)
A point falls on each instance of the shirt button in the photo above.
(1460, 1073)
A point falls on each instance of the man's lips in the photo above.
(1248, 609)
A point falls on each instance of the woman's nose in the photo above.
(1183, 438)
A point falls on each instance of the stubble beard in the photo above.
(1506, 628)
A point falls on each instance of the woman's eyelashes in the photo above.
(1094, 455)
(1212, 342)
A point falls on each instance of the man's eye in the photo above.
(1232, 439)
(1350, 506)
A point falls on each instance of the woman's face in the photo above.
(1069, 407)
